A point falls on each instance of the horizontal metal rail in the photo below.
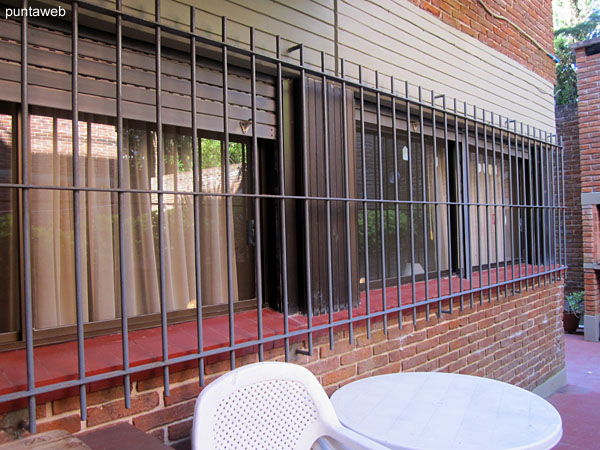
(269, 196)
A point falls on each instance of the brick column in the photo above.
(567, 127)
(588, 84)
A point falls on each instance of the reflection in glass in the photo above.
(423, 233)
(52, 245)
(9, 249)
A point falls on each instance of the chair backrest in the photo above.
(269, 405)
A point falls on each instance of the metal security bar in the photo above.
(392, 236)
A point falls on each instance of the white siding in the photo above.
(394, 37)
(401, 39)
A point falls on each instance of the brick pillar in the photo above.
(567, 126)
(588, 84)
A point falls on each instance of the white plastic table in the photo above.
(430, 410)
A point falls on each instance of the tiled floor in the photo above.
(579, 401)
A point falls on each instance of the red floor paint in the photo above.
(579, 402)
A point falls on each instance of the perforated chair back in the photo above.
(269, 405)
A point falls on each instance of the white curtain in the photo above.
(52, 245)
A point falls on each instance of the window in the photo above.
(419, 226)
(10, 319)
(52, 221)
(453, 213)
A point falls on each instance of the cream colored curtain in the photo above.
(52, 251)
(52, 245)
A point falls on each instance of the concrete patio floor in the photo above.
(579, 401)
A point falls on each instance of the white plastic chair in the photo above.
(269, 405)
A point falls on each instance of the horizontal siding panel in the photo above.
(531, 96)
(392, 36)
(429, 29)
(441, 82)
(531, 116)
(444, 56)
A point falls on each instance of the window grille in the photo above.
(391, 190)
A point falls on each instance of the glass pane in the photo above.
(424, 230)
(213, 228)
(52, 217)
(9, 249)
(486, 185)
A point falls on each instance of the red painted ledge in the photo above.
(57, 363)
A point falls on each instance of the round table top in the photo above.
(432, 410)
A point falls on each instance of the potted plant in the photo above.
(574, 308)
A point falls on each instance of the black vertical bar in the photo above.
(161, 213)
(365, 204)
(548, 206)
(448, 206)
(396, 209)
(537, 208)
(553, 275)
(197, 199)
(487, 206)
(544, 179)
(525, 209)
(280, 137)
(436, 200)
(77, 206)
(553, 203)
(560, 201)
(381, 209)
(513, 203)
(258, 239)
(411, 206)
(519, 222)
(424, 194)
(309, 314)
(495, 224)
(531, 208)
(121, 207)
(502, 189)
(347, 202)
(479, 258)
(467, 205)
(328, 195)
(563, 205)
(228, 201)
(555, 199)
(534, 181)
(459, 210)
(26, 221)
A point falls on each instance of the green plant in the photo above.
(574, 21)
(574, 303)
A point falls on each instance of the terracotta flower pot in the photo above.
(570, 322)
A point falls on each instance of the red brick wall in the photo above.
(533, 16)
(519, 340)
(588, 84)
(567, 126)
